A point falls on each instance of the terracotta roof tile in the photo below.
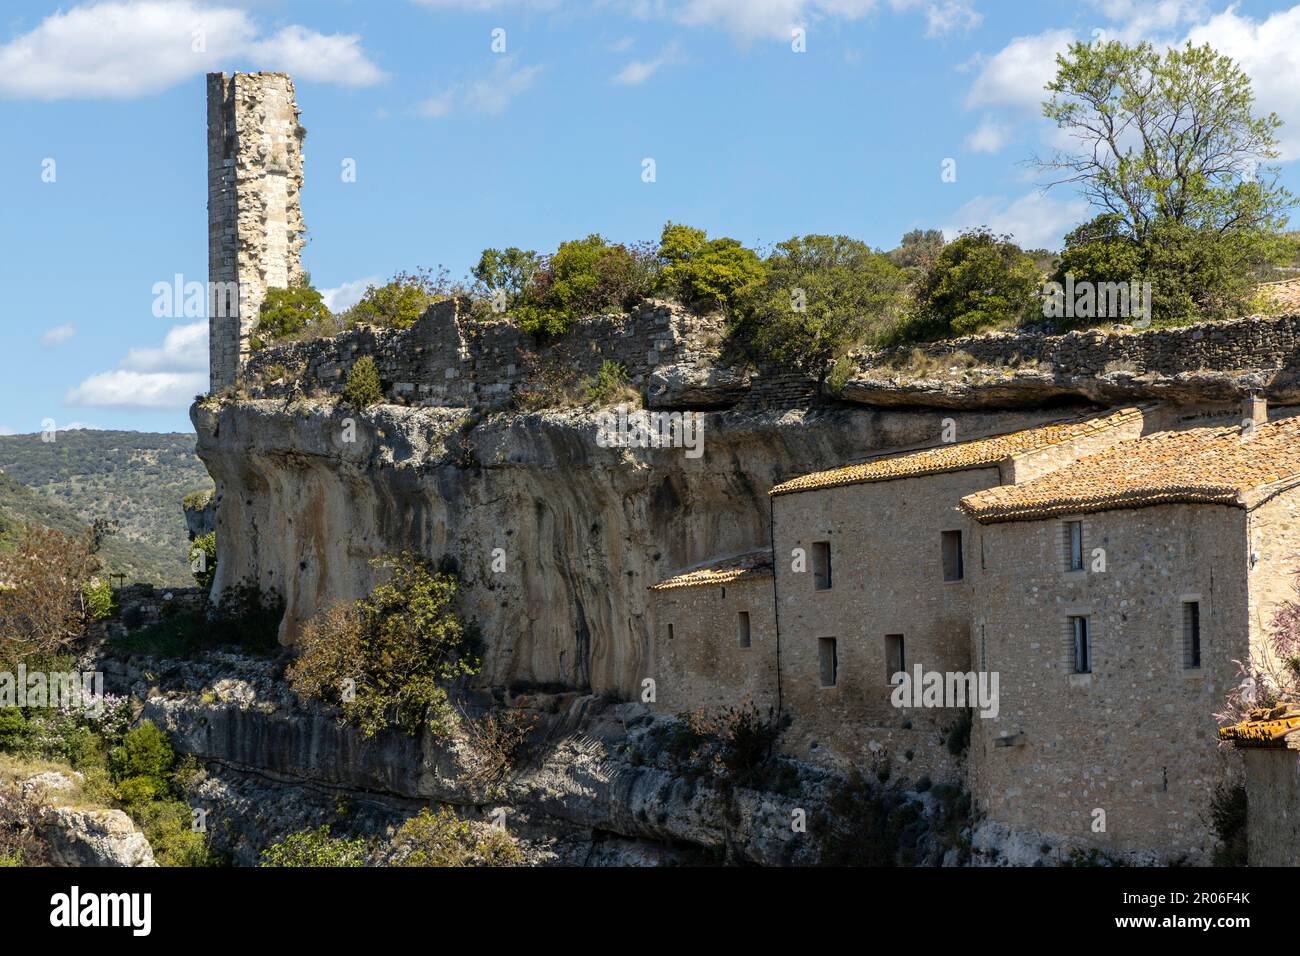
(752, 564)
(1265, 727)
(1198, 466)
(983, 452)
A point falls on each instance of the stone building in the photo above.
(1269, 743)
(1101, 570)
(715, 645)
(1125, 585)
(875, 578)
(255, 224)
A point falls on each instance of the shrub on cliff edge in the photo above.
(383, 659)
(363, 388)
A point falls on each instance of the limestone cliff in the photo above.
(583, 530)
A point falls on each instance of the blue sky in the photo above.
(458, 146)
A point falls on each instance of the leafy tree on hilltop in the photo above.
(1172, 156)
(821, 297)
(979, 281)
(705, 273)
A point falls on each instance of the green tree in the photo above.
(399, 302)
(583, 277)
(363, 387)
(705, 273)
(315, 848)
(1167, 137)
(506, 270)
(1172, 156)
(287, 312)
(394, 648)
(821, 297)
(979, 281)
(919, 249)
(203, 559)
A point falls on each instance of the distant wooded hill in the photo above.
(135, 478)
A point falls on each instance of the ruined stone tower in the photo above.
(255, 225)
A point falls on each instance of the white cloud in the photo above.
(1269, 52)
(165, 377)
(1036, 220)
(126, 389)
(437, 106)
(337, 58)
(638, 71)
(492, 94)
(58, 335)
(185, 348)
(754, 19)
(348, 294)
(1014, 77)
(140, 47)
(990, 137)
(945, 16)
(6, 430)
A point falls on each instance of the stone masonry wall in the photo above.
(1135, 738)
(255, 224)
(448, 358)
(702, 664)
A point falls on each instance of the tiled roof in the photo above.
(752, 564)
(1201, 465)
(983, 452)
(1267, 727)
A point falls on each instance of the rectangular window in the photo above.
(1082, 640)
(1074, 545)
(743, 620)
(670, 632)
(821, 561)
(827, 661)
(895, 661)
(953, 569)
(1192, 635)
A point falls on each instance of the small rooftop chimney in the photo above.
(1254, 411)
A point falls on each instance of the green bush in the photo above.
(980, 281)
(1228, 813)
(703, 273)
(315, 848)
(440, 838)
(610, 384)
(583, 277)
(399, 302)
(382, 659)
(203, 559)
(168, 825)
(509, 271)
(144, 752)
(13, 725)
(288, 312)
(822, 296)
(363, 388)
(97, 595)
(1195, 274)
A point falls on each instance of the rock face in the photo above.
(576, 532)
(95, 838)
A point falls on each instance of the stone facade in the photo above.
(715, 646)
(255, 224)
(1133, 739)
(450, 358)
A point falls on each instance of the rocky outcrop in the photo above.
(1209, 362)
(79, 837)
(557, 538)
(598, 768)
